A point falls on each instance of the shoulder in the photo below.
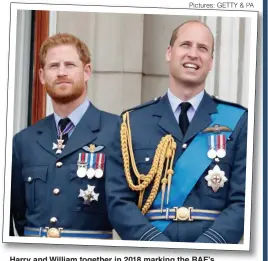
(109, 120)
(101, 113)
(141, 107)
(228, 103)
(39, 124)
(29, 131)
(107, 116)
(233, 110)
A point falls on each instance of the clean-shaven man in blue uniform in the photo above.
(177, 167)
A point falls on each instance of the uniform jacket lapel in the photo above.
(47, 134)
(83, 134)
(202, 118)
(199, 122)
(167, 119)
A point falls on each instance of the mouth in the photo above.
(191, 66)
(61, 83)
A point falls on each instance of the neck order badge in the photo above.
(64, 127)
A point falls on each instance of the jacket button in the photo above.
(56, 191)
(53, 220)
(29, 179)
(59, 164)
(184, 146)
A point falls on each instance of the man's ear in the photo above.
(168, 54)
(87, 72)
(41, 76)
(211, 63)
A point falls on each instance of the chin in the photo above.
(189, 81)
(191, 85)
(65, 94)
(64, 99)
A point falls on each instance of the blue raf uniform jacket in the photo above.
(36, 175)
(148, 124)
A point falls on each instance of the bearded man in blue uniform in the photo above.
(177, 167)
(59, 164)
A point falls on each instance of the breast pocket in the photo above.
(35, 179)
(78, 187)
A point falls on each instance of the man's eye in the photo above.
(53, 65)
(204, 48)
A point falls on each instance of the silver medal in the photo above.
(211, 154)
(221, 153)
(98, 173)
(81, 172)
(90, 173)
(211, 147)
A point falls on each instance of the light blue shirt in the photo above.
(175, 104)
(75, 116)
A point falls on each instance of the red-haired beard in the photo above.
(65, 93)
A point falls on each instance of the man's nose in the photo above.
(192, 52)
(62, 70)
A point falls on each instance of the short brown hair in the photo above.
(175, 33)
(65, 39)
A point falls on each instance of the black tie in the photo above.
(62, 125)
(183, 119)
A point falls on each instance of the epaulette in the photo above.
(155, 100)
(229, 103)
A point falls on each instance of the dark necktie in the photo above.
(65, 126)
(183, 118)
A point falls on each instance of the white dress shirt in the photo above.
(175, 104)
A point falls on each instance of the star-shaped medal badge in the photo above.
(216, 178)
(88, 195)
(60, 146)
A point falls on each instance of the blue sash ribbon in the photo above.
(186, 174)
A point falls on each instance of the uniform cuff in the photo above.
(211, 236)
(154, 235)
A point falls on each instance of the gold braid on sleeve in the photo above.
(164, 156)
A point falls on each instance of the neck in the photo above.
(185, 91)
(64, 110)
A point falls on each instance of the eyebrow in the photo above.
(65, 62)
(185, 41)
(70, 62)
(199, 44)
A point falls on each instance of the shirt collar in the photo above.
(175, 101)
(76, 115)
